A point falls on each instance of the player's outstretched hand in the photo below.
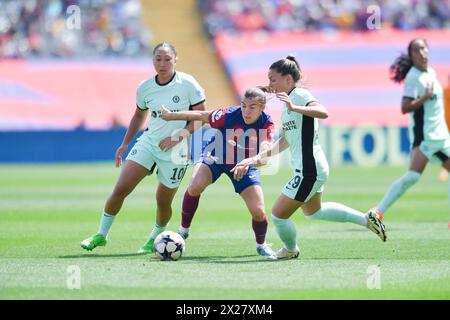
(429, 91)
(169, 142)
(285, 98)
(241, 168)
(119, 153)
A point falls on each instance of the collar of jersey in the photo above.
(165, 84)
(291, 90)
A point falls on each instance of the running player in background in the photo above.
(242, 131)
(162, 145)
(300, 124)
(423, 100)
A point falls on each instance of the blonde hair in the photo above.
(256, 92)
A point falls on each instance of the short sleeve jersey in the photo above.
(301, 133)
(236, 140)
(179, 94)
(427, 122)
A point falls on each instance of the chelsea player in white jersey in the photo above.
(428, 132)
(310, 167)
(162, 145)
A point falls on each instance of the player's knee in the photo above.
(258, 214)
(311, 208)
(195, 189)
(312, 214)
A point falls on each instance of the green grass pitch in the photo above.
(46, 210)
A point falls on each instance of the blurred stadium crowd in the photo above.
(38, 28)
(311, 15)
(30, 28)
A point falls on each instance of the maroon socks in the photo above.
(260, 229)
(190, 205)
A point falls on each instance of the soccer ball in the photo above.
(169, 245)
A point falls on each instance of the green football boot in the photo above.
(90, 243)
(148, 247)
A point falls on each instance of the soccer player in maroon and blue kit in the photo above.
(242, 131)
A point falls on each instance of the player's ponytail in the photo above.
(294, 59)
(266, 89)
(400, 68)
(403, 63)
(289, 65)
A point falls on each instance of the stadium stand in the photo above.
(316, 15)
(49, 28)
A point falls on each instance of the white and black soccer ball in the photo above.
(169, 245)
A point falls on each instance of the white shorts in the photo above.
(439, 149)
(303, 188)
(169, 174)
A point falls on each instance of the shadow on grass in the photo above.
(96, 255)
(225, 259)
(244, 259)
(389, 227)
(197, 259)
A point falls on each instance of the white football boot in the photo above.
(284, 253)
(266, 251)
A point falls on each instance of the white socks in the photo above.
(105, 223)
(332, 211)
(157, 229)
(108, 219)
(183, 230)
(397, 189)
(286, 231)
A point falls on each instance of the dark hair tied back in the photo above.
(287, 66)
(400, 68)
(402, 64)
(294, 59)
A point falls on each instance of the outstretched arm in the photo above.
(313, 109)
(197, 114)
(260, 159)
(263, 157)
(193, 115)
